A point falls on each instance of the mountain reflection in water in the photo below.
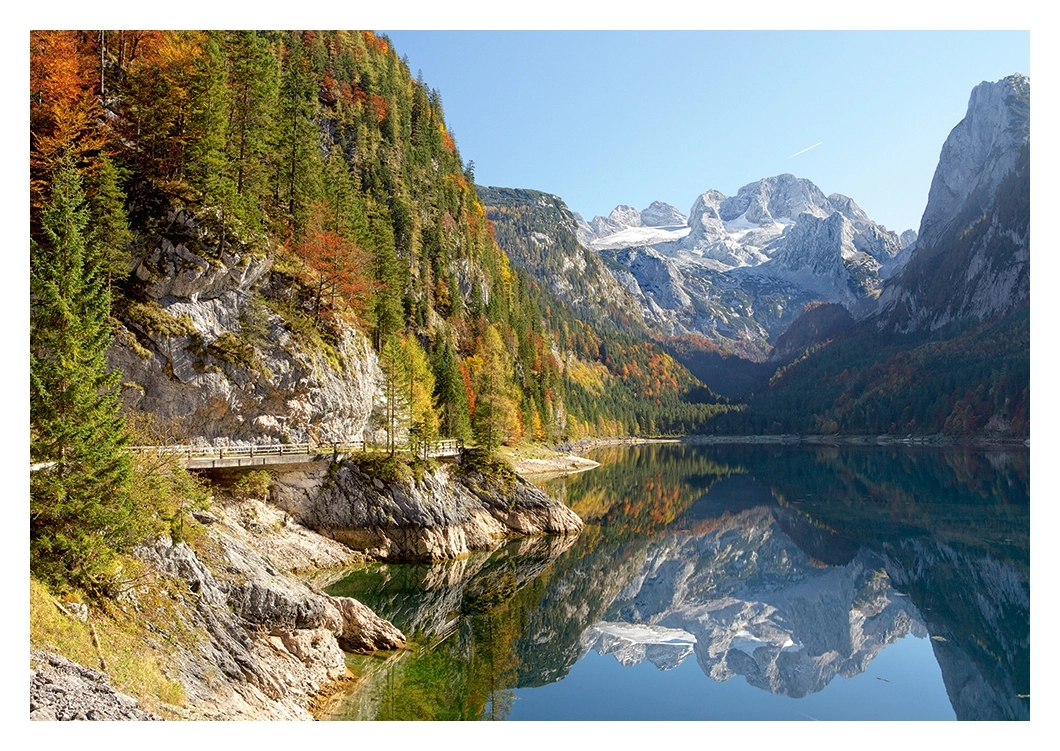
(785, 565)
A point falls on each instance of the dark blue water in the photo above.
(730, 583)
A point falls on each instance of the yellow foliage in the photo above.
(590, 375)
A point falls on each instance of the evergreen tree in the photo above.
(110, 221)
(387, 316)
(497, 418)
(252, 99)
(423, 413)
(395, 369)
(297, 163)
(451, 394)
(206, 167)
(79, 507)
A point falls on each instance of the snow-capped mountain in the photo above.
(742, 267)
(660, 214)
(740, 230)
(625, 227)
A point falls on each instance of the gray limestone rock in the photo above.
(63, 690)
(270, 643)
(437, 517)
(660, 214)
(979, 152)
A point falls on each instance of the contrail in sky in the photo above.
(805, 150)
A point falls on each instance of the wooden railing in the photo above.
(294, 451)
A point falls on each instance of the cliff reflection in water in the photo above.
(787, 566)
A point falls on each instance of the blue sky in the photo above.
(605, 118)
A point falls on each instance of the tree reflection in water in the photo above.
(787, 565)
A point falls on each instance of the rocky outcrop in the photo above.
(63, 690)
(444, 514)
(978, 153)
(268, 643)
(217, 349)
(364, 631)
(971, 259)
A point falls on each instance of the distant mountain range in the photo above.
(740, 269)
(736, 273)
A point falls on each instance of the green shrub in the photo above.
(386, 467)
(156, 320)
(496, 472)
(253, 485)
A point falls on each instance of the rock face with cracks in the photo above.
(63, 690)
(218, 348)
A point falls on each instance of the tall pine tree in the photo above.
(79, 506)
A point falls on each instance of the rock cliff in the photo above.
(971, 258)
(214, 343)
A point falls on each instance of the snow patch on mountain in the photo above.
(631, 236)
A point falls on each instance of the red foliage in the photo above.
(340, 267)
(64, 111)
(373, 42)
(379, 106)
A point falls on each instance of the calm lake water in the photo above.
(733, 582)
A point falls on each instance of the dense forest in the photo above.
(971, 378)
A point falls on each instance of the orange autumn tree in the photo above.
(338, 267)
(64, 113)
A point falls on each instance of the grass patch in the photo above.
(130, 645)
(158, 321)
(386, 467)
(230, 348)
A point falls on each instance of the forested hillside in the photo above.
(319, 153)
(621, 379)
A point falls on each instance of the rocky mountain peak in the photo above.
(660, 214)
(846, 206)
(979, 152)
(625, 216)
(778, 199)
(706, 206)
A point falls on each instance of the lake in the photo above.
(729, 582)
